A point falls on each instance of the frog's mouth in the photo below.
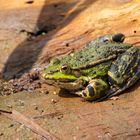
(68, 82)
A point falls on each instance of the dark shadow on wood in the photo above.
(26, 53)
(67, 94)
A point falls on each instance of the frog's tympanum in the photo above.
(105, 67)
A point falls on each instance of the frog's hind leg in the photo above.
(132, 81)
(124, 72)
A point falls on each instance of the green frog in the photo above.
(105, 67)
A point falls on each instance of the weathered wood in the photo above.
(20, 118)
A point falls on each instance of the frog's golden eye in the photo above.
(106, 39)
(65, 69)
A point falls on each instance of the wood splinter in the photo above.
(20, 118)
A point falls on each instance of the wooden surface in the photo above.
(72, 24)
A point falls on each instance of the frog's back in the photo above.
(93, 53)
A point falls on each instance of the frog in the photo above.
(103, 68)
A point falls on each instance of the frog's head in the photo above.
(96, 89)
(61, 75)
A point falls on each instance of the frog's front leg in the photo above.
(96, 89)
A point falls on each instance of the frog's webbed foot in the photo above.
(125, 71)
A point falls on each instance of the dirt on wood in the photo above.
(33, 32)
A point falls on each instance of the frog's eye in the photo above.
(106, 39)
(65, 69)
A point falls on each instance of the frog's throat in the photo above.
(68, 85)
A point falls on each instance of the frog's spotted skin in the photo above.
(124, 72)
(125, 67)
(93, 53)
(100, 70)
